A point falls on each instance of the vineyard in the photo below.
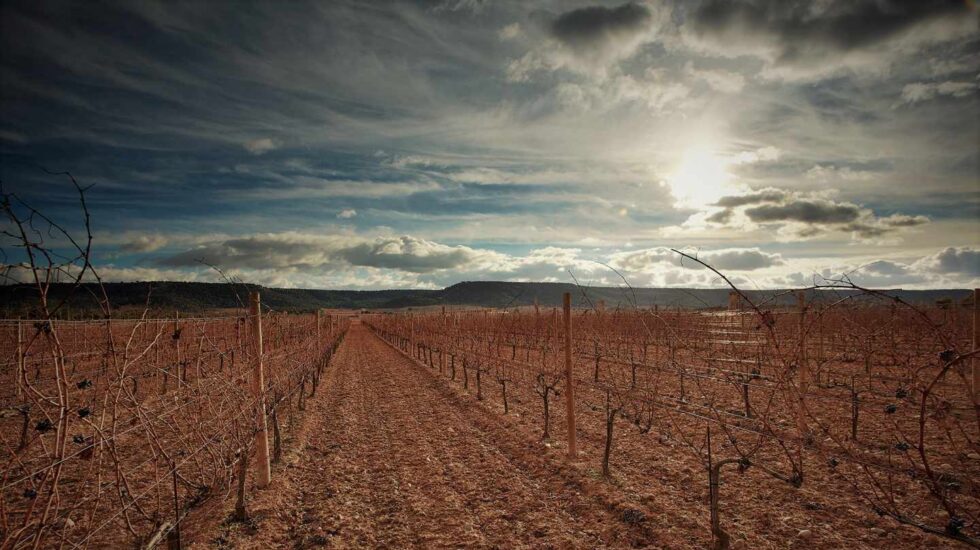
(133, 432)
(864, 396)
(118, 433)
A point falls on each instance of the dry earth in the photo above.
(391, 455)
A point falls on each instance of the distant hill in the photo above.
(19, 300)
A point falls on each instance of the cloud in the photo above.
(347, 214)
(762, 154)
(801, 215)
(407, 253)
(812, 211)
(592, 40)
(952, 260)
(741, 259)
(259, 146)
(954, 267)
(510, 31)
(805, 39)
(723, 81)
(650, 90)
(144, 243)
(902, 220)
(475, 7)
(597, 27)
(884, 267)
(293, 250)
(923, 91)
(765, 195)
(655, 259)
(829, 172)
(721, 217)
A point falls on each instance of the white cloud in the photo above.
(510, 32)
(952, 260)
(923, 91)
(305, 251)
(829, 172)
(144, 243)
(763, 154)
(652, 260)
(259, 146)
(347, 214)
(723, 81)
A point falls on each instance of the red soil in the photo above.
(390, 456)
(393, 455)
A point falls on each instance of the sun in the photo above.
(700, 179)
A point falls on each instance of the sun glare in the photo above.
(700, 179)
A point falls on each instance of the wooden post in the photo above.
(180, 375)
(319, 314)
(21, 372)
(802, 371)
(263, 470)
(173, 537)
(569, 380)
(976, 344)
(801, 329)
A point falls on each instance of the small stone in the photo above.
(878, 531)
(973, 456)
(805, 534)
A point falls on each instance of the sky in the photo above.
(419, 144)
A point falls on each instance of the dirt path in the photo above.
(392, 457)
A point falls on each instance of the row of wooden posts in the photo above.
(734, 304)
(570, 389)
(263, 467)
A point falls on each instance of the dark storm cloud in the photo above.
(811, 211)
(865, 230)
(592, 26)
(798, 28)
(766, 195)
(721, 217)
(808, 215)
